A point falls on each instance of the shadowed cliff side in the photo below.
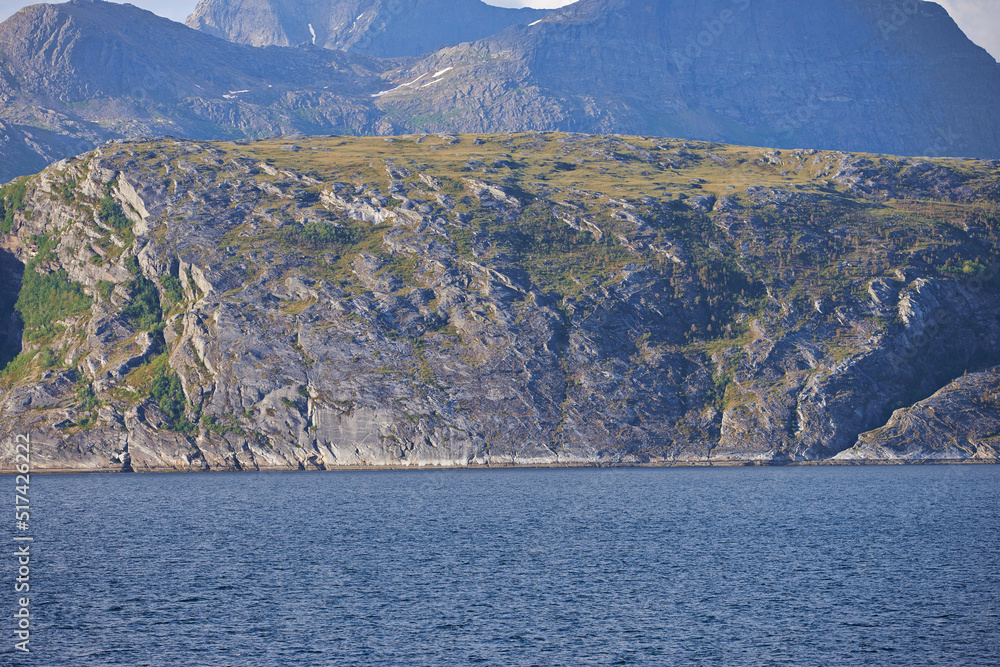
(961, 421)
(78, 74)
(11, 271)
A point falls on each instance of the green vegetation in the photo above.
(11, 200)
(401, 265)
(118, 226)
(318, 235)
(143, 308)
(828, 249)
(193, 284)
(172, 286)
(26, 363)
(220, 427)
(338, 244)
(725, 288)
(296, 307)
(87, 402)
(110, 212)
(46, 249)
(46, 299)
(964, 268)
(105, 288)
(168, 394)
(67, 190)
(554, 254)
(18, 369)
(608, 231)
(47, 358)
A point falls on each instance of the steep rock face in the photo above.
(961, 421)
(488, 300)
(945, 327)
(80, 73)
(82, 50)
(386, 29)
(879, 76)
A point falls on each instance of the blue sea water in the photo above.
(698, 566)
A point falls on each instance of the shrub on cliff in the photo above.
(168, 394)
(11, 200)
(143, 309)
(47, 299)
(110, 212)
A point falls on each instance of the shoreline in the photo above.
(539, 466)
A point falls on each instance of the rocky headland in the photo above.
(510, 299)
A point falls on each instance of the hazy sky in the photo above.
(980, 19)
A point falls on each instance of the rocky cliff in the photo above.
(960, 422)
(494, 300)
(386, 29)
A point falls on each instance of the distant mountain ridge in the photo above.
(837, 74)
(819, 73)
(384, 28)
(81, 73)
(84, 49)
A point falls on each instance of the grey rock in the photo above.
(961, 422)
(773, 73)
(80, 73)
(375, 27)
(719, 70)
(663, 335)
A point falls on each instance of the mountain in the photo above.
(81, 73)
(835, 74)
(395, 28)
(841, 74)
(511, 299)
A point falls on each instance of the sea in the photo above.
(886, 565)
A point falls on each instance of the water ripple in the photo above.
(785, 566)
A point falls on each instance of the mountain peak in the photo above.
(846, 74)
(376, 27)
(833, 74)
(80, 73)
